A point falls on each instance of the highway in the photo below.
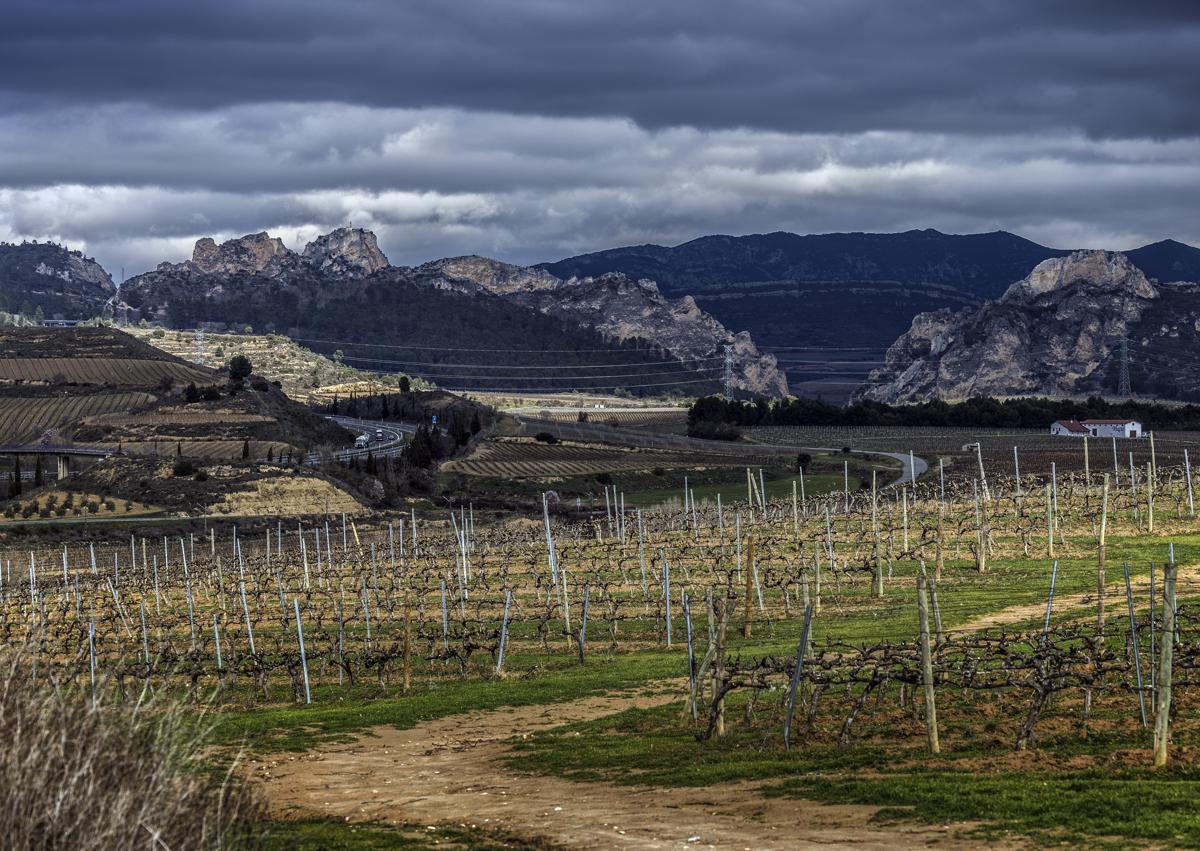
(392, 444)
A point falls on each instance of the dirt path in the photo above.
(1114, 598)
(449, 771)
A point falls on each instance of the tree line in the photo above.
(716, 415)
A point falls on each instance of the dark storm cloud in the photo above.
(987, 66)
(534, 129)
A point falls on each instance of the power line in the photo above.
(681, 371)
(610, 350)
(513, 366)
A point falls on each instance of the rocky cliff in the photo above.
(1054, 332)
(341, 288)
(343, 254)
(623, 309)
(46, 277)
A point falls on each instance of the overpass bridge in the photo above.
(61, 452)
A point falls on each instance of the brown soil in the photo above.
(451, 771)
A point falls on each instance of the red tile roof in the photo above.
(1071, 425)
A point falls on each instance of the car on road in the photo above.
(362, 441)
(379, 435)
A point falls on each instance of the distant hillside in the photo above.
(829, 304)
(456, 331)
(299, 370)
(1167, 260)
(102, 386)
(45, 278)
(1057, 332)
(981, 265)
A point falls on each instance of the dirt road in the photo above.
(451, 771)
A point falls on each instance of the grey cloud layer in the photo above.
(437, 182)
(1106, 67)
(530, 129)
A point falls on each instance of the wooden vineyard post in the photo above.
(717, 721)
(1049, 525)
(931, 727)
(1100, 559)
(748, 611)
(1162, 712)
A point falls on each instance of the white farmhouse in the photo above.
(1097, 428)
(1113, 428)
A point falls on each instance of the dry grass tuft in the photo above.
(81, 778)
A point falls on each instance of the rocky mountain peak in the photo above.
(1053, 333)
(1094, 271)
(494, 275)
(253, 253)
(346, 253)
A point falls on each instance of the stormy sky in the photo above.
(534, 129)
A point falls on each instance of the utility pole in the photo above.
(728, 377)
(1123, 389)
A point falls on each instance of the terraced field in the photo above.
(205, 450)
(522, 459)
(176, 416)
(670, 420)
(115, 372)
(24, 419)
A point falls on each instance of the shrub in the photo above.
(183, 467)
(84, 778)
(545, 437)
(201, 476)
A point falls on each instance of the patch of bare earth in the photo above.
(1114, 594)
(451, 771)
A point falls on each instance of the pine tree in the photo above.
(39, 477)
(245, 449)
(14, 487)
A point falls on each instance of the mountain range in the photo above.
(828, 305)
(1063, 330)
(814, 312)
(464, 323)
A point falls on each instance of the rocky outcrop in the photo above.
(262, 277)
(345, 253)
(1052, 333)
(342, 254)
(58, 282)
(621, 309)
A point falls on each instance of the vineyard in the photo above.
(673, 420)
(1035, 450)
(520, 459)
(115, 372)
(207, 450)
(25, 419)
(168, 416)
(1048, 605)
